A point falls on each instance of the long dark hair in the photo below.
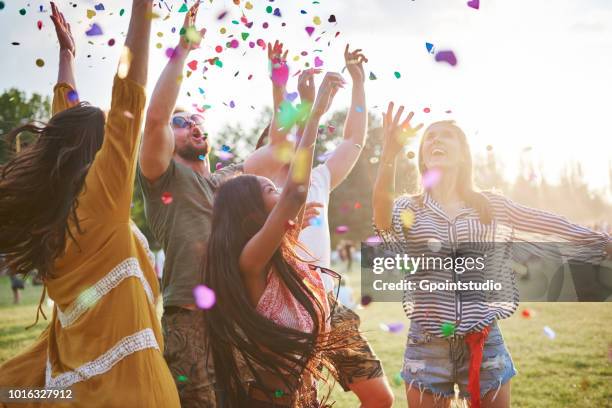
(465, 180)
(39, 187)
(233, 325)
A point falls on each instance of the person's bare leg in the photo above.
(16, 296)
(373, 393)
(428, 400)
(502, 399)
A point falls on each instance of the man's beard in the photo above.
(191, 153)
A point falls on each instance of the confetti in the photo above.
(121, 12)
(447, 56)
(40, 63)
(125, 60)
(527, 313)
(91, 14)
(222, 15)
(426, 110)
(315, 222)
(202, 157)
(22, 11)
(166, 198)
(397, 75)
(193, 65)
(318, 62)
(431, 178)
(366, 300)
(397, 379)
(392, 327)
(73, 96)
(550, 333)
(448, 329)
(218, 166)
(183, 8)
(181, 378)
(342, 229)
(332, 19)
(374, 239)
(94, 30)
(372, 77)
(407, 217)
(475, 4)
(39, 24)
(232, 104)
(429, 47)
(204, 297)
(434, 245)
(359, 109)
(310, 30)
(99, 7)
(278, 393)
(277, 12)
(111, 42)
(316, 20)
(1, 5)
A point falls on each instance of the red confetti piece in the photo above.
(193, 65)
(166, 198)
(39, 24)
(426, 110)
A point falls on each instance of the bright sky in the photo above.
(530, 72)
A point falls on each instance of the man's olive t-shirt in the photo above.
(178, 208)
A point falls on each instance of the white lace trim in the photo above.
(143, 241)
(90, 296)
(141, 340)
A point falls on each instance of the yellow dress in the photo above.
(104, 340)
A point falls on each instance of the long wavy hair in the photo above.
(39, 187)
(234, 327)
(465, 181)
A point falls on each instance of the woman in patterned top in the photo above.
(65, 210)
(271, 306)
(454, 337)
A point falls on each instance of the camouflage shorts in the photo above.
(356, 362)
(184, 352)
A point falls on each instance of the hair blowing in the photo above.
(39, 187)
(465, 181)
(233, 326)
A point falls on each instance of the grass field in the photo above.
(573, 370)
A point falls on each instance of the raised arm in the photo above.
(66, 81)
(259, 250)
(395, 135)
(346, 154)
(158, 140)
(110, 180)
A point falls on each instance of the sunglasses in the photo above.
(182, 122)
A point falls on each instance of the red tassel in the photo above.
(475, 342)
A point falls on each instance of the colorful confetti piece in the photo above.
(448, 329)
(475, 4)
(550, 333)
(447, 56)
(94, 30)
(204, 297)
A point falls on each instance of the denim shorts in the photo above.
(436, 364)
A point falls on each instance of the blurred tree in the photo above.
(15, 109)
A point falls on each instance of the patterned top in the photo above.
(279, 305)
(512, 223)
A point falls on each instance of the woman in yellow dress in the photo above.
(65, 210)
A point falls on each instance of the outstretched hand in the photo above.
(279, 70)
(397, 132)
(190, 36)
(328, 89)
(306, 85)
(354, 64)
(62, 29)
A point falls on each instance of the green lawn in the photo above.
(573, 370)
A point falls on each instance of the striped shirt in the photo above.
(511, 223)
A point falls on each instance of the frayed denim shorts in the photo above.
(436, 364)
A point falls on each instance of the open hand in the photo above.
(62, 29)
(354, 64)
(397, 132)
(306, 85)
(279, 71)
(328, 89)
(190, 36)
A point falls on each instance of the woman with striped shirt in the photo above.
(454, 337)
